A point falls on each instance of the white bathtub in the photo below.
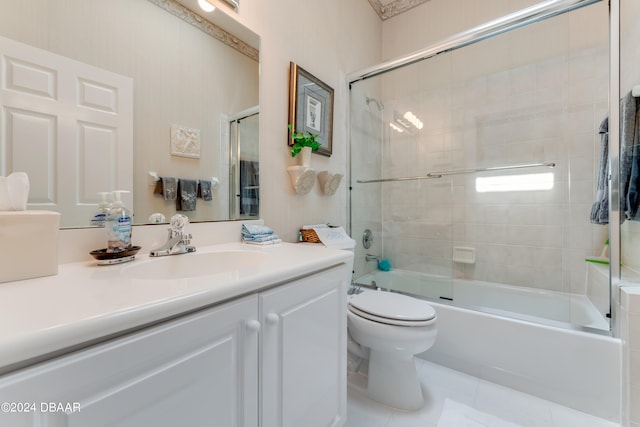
(557, 308)
(572, 367)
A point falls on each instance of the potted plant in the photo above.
(303, 143)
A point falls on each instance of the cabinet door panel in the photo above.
(200, 370)
(304, 351)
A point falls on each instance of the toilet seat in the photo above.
(392, 309)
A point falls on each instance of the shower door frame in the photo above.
(513, 21)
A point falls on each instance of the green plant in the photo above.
(300, 140)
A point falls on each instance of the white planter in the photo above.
(302, 178)
(304, 157)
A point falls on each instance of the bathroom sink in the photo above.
(192, 265)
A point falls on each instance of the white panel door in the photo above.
(198, 371)
(303, 370)
(68, 125)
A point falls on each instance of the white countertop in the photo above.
(85, 302)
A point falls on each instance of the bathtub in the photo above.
(549, 307)
(491, 338)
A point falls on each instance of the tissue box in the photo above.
(29, 244)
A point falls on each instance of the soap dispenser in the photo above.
(118, 225)
(100, 215)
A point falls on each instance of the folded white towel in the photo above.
(266, 243)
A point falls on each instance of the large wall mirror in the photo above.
(191, 80)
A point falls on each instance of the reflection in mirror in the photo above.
(244, 169)
(185, 72)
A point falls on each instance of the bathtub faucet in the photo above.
(354, 289)
(370, 257)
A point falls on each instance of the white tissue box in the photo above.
(28, 244)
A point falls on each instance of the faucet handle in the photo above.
(179, 222)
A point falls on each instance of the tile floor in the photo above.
(440, 383)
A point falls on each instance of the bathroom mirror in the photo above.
(187, 72)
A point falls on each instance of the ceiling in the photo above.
(389, 8)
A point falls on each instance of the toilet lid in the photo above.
(393, 308)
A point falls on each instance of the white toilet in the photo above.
(391, 329)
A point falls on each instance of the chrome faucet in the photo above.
(178, 241)
(370, 257)
(354, 288)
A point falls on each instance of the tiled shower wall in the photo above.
(534, 95)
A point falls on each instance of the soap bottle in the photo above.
(100, 215)
(118, 225)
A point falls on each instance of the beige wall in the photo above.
(329, 39)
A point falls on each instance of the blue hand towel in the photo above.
(261, 238)
(256, 233)
(255, 229)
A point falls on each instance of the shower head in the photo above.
(378, 103)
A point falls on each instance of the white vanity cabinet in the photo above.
(199, 370)
(303, 361)
(273, 358)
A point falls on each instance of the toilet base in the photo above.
(393, 381)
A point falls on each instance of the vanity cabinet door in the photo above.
(198, 370)
(303, 366)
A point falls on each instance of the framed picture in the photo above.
(311, 107)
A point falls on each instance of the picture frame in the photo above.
(311, 107)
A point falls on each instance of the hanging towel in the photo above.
(249, 187)
(167, 187)
(600, 208)
(204, 190)
(632, 161)
(633, 196)
(187, 191)
(629, 165)
(628, 145)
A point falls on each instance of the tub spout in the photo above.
(370, 257)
